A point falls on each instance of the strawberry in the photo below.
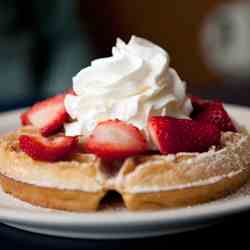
(47, 149)
(198, 104)
(48, 115)
(173, 135)
(115, 139)
(215, 114)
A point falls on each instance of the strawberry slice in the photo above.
(198, 104)
(115, 139)
(215, 114)
(48, 115)
(47, 149)
(172, 135)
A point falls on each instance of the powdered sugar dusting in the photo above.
(209, 181)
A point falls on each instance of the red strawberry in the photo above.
(47, 149)
(198, 101)
(198, 105)
(48, 115)
(216, 114)
(115, 139)
(173, 135)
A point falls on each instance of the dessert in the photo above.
(127, 126)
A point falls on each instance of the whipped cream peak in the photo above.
(134, 83)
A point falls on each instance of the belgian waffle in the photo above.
(80, 182)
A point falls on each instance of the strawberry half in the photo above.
(47, 149)
(173, 135)
(115, 139)
(198, 104)
(215, 114)
(48, 115)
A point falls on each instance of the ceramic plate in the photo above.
(119, 223)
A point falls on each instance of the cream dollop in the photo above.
(133, 84)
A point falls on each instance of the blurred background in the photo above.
(44, 43)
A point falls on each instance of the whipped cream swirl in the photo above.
(133, 84)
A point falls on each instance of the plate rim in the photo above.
(211, 210)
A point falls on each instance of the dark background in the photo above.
(44, 43)
(231, 233)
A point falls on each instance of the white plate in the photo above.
(114, 224)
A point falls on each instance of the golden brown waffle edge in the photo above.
(144, 182)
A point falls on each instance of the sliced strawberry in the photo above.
(47, 149)
(173, 135)
(199, 105)
(48, 115)
(216, 114)
(115, 139)
(197, 102)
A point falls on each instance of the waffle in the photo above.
(80, 182)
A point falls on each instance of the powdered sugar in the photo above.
(209, 181)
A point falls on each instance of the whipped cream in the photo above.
(133, 84)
